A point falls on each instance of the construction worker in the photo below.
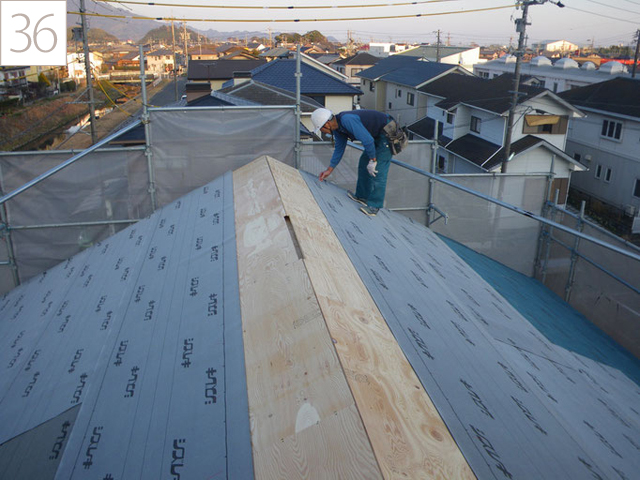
(368, 127)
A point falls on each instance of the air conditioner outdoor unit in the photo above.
(630, 210)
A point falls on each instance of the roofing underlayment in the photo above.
(262, 326)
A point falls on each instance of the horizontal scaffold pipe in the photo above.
(521, 211)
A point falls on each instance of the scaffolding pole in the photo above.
(574, 255)
(147, 130)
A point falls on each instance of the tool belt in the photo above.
(397, 136)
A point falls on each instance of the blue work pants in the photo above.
(372, 189)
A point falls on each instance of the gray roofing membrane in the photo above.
(127, 360)
(118, 332)
(518, 405)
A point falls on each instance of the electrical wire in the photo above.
(267, 7)
(635, 22)
(297, 20)
(611, 6)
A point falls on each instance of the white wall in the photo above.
(620, 156)
(539, 160)
(338, 103)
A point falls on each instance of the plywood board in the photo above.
(304, 421)
(408, 435)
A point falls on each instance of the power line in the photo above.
(297, 20)
(635, 22)
(611, 6)
(266, 7)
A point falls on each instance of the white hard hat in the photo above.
(319, 117)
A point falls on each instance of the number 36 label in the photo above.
(33, 32)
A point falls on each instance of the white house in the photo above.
(466, 57)
(469, 117)
(160, 61)
(560, 46)
(381, 49)
(607, 141)
(75, 64)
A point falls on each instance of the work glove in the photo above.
(371, 168)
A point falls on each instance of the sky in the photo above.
(583, 22)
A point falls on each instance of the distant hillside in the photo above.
(123, 29)
(163, 35)
(96, 35)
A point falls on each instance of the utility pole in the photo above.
(635, 57)
(87, 69)
(186, 46)
(521, 27)
(175, 64)
(438, 47)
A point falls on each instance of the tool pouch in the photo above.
(398, 138)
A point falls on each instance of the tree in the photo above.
(288, 38)
(315, 36)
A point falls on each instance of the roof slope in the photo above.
(281, 73)
(220, 69)
(360, 58)
(386, 65)
(619, 95)
(359, 347)
(431, 51)
(264, 94)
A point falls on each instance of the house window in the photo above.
(390, 107)
(545, 124)
(371, 87)
(611, 129)
(598, 171)
(450, 117)
(442, 164)
(555, 87)
(410, 98)
(475, 124)
(636, 189)
(577, 157)
(607, 175)
(398, 93)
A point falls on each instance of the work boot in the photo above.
(371, 211)
(353, 197)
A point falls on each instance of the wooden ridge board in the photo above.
(408, 436)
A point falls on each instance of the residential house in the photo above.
(203, 52)
(243, 54)
(607, 142)
(381, 49)
(469, 116)
(259, 93)
(13, 82)
(353, 65)
(562, 75)
(257, 46)
(318, 82)
(559, 47)
(278, 52)
(129, 60)
(328, 59)
(76, 67)
(318, 49)
(466, 57)
(160, 61)
(392, 85)
(229, 48)
(217, 72)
